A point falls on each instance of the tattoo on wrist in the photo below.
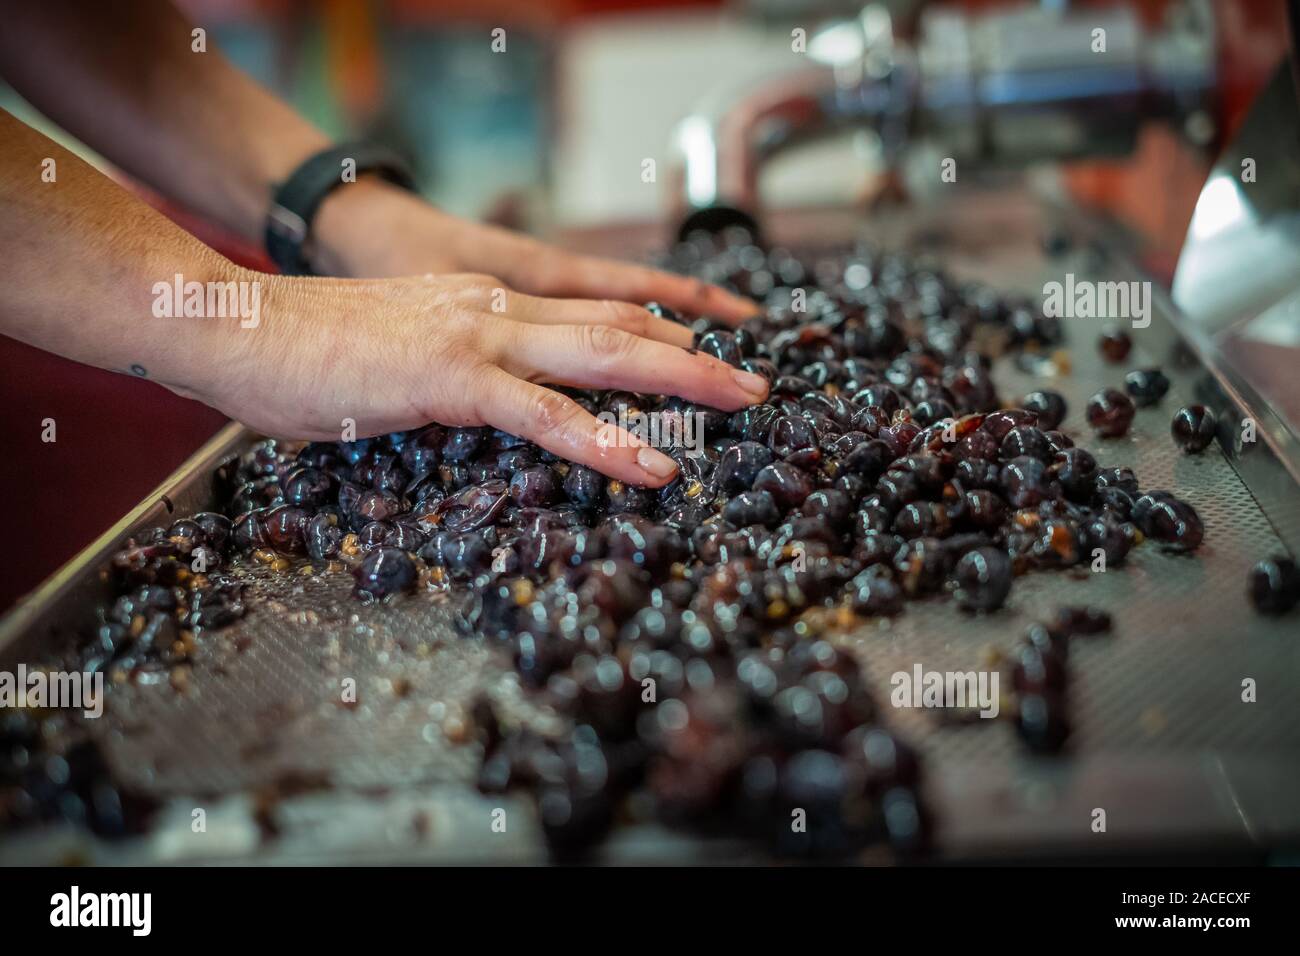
(136, 371)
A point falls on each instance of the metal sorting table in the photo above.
(1162, 739)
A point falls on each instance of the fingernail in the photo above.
(754, 385)
(656, 463)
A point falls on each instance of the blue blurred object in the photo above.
(471, 121)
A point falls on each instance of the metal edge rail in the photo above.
(1269, 466)
(34, 616)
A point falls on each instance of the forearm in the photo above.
(123, 78)
(82, 260)
(198, 130)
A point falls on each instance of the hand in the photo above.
(369, 228)
(399, 353)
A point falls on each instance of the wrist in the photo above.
(372, 228)
(225, 312)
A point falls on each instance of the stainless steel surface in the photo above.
(66, 600)
(1001, 87)
(1163, 741)
(1238, 287)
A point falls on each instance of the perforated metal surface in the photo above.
(1157, 705)
(313, 682)
(265, 697)
(1169, 676)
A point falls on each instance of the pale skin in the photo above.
(438, 319)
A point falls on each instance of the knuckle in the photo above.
(458, 398)
(462, 330)
(550, 411)
(628, 317)
(604, 343)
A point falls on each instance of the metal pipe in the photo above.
(999, 88)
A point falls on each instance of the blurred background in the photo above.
(550, 136)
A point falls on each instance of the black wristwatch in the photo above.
(294, 205)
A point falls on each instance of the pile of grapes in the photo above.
(689, 633)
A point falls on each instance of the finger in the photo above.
(565, 428)
(600, 278)
(597, 356)
(619, 315)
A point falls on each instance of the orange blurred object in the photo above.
(1154, 191)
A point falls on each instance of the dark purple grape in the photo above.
(830, 505)
(472, 508)
(463, 556)
(1114, 345)
(285, 529)
(1194, 428)
(534, 487)
(885, 397)
(1042, 722)
(983, 510)
(977, 446)
(921, 566)
(652, 547)
(405, 535)
(932, 411)
(1173, 523)
(375, 506)
(461, 444)
(787, 484)
(899, 437)
(307, 487)
(1025, 482)
(791, 434)
(746, 341)
(983, 579)
(752, 507)
(1274, 585)
(585, 487)
(1120, 478)
(1058, 441)
(186, 534)
(875, 594)
(740, 465)
(1050, 408)
(247, 532)
(1038, 670)
(1146, 386)
(1108, 535)
(373, 535)
(323, 537)
(216, 528)
(1110, 412)
(624, 498)
(1025, 440)
(514, 460)
(998, 424)
(721, 345)
(1076, 472)
(922, 519)
(385, 571)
